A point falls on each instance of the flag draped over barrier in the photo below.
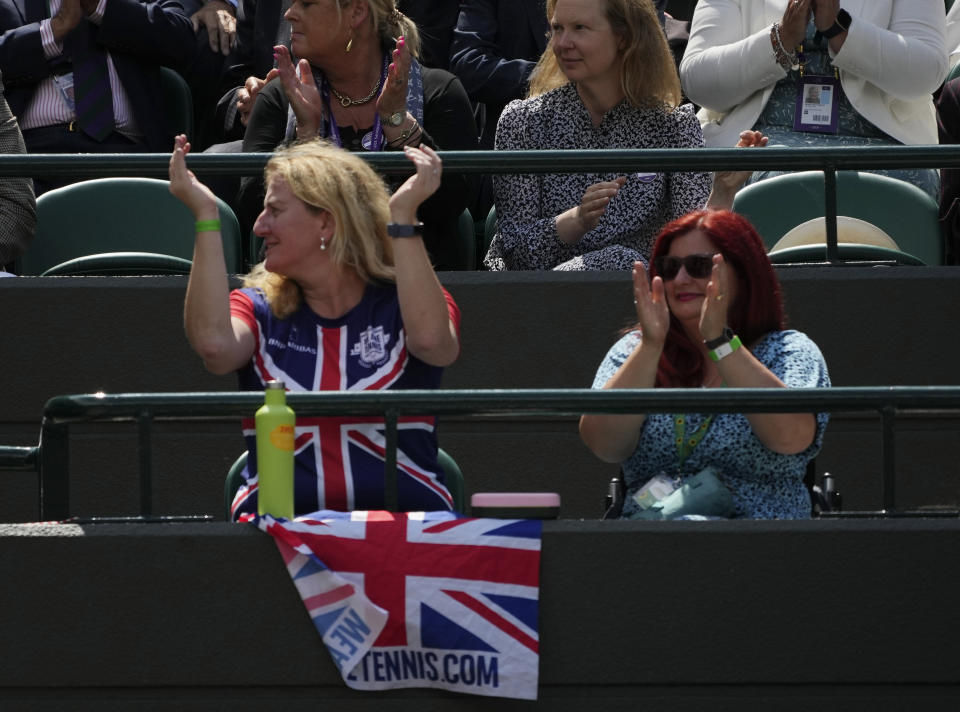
(420, 599)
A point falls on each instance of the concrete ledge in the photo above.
(677, 613)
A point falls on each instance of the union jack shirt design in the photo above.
(420, 599)
(339, 460)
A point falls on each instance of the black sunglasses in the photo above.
(697, 266)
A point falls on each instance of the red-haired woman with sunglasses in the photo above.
(710, 316)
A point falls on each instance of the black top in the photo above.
(447, 125)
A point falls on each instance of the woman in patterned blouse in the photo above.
(712, 316)
(606, 80)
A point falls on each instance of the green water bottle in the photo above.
(275, 435)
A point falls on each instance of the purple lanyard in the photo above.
(375, 140)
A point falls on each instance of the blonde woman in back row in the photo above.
(607, 80)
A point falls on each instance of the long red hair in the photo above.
(757, 309)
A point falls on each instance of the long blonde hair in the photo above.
(326, 177)
(648, 74)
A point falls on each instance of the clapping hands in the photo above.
(653, 314)
(301, 91)
(247, 94)
(418, 187)
(393, 94)
(732, 181)
(716, 301)
(793, 26)
(185, 186)
(595, 200)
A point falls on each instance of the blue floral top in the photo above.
(764, 484)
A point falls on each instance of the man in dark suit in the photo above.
(435, 20)
(215, 25)
(260, 26)
(84, 76)
(495, 47)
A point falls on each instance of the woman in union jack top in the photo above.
(345, 299)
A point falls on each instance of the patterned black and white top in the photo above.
(18, 208)
(528, 205)
(764, 484)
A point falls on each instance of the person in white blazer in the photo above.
(890, 58)
(953, 34)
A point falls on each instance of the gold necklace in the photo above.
(346, 101)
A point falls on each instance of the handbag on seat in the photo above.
(702, 494)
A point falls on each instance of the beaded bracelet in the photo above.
(785, 59)
(207, 225)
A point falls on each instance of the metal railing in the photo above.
(558, 161)
(19, 458)
(53, 456)
(828, 160)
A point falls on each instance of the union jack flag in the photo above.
(340, 460)
(420, 599)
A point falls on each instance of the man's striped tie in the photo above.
(91, 84)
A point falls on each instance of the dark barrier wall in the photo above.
(826, 615)
(876, 326)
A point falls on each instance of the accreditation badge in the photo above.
(818, 104)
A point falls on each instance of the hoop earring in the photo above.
(350, 42)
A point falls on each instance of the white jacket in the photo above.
(893, 58)
(953, 33)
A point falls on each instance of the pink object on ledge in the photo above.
(515, 505)
(515, 499)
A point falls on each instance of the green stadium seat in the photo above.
(466, 242)
(902, 210)
(119, 226)
(120, 264)
(453, 478)
(848, 251)
(177, 102)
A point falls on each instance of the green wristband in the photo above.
(208, 225)
(724, 350)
